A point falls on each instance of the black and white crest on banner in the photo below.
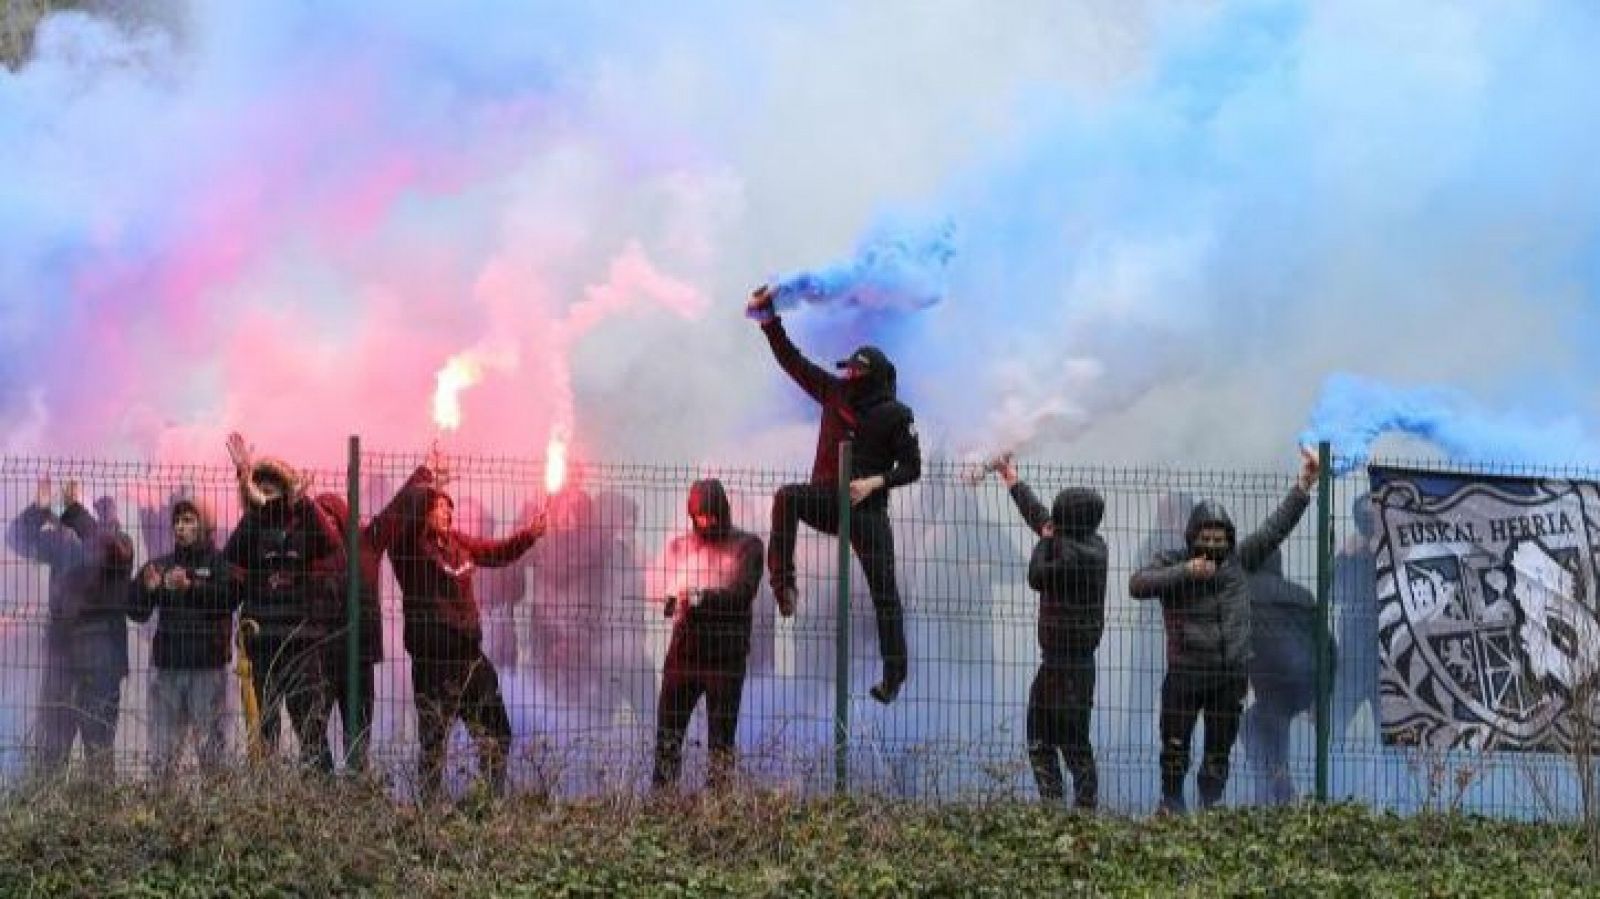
(1486, 608)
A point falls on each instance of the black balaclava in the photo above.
(708, 497)
(876, 381)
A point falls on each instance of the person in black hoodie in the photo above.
(1068, 569)
(450, 676)
(861, 407)
(280, 556)
(710, 576)
(196, 598)
(375, 539)
(86, 637)
(1205, 607)
(1283, 674)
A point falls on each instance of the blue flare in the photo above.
(1353, 412)
(894, 269)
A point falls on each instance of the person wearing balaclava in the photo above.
(859, 406)
(451, 678)
(1283, 674)
(1205, 608)
(1068, 569)
(280, 555)
(193, 598)
(710, 578)
(86, 635)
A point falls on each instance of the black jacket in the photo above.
(435, 575)
(280, 555)
(195, 625)
(882, 428)
(1283, 637)
(89, 564)
(1069, 571)
(1208, 619)
(722, 567)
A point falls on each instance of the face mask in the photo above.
(1214, 553)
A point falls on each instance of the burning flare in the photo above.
(555, 462)
(459, 372)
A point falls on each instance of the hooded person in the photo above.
(1355, 595)
(1283, 673)
(860, 406)
(450, 675)
(1068, 569)
(193, 598)
(86, 634)
(1205, 608)
(710, 577)
(281, 554)
(373, 540)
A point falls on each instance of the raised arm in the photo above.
(405, 510)
(816, 382)
(1254, 549)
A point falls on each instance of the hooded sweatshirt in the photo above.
(195, 625)
(375, 539)
(722, 566)
(435, 574)
(864, 410)
(89, 563)
(280, 553)
(1207, 620)
(1283, 636)
(1068, 570)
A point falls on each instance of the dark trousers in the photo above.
(682, 685)
(1266, 733)
(1185, 696)
(873, 541)
(76, 701)
(291, 672)
(357, 733)
(465, 688)
(1059, 705)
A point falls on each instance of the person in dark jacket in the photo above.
(711, 576)
(280, 555)
(1068, 569)
(450, 676)
(861, 407)
(195, 597)
(1283, 673)
(375, 538)
(1205, 608)
(86, 634)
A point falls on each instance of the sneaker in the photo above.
(886, 691)
(786, 596)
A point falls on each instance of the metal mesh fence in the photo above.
(577, 640)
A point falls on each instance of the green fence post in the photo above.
(352, 597)
(841, 660)
(1324, 613)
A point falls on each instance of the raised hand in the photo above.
(1310, 467)
(43, 494)
(242, 453)
(150, 577)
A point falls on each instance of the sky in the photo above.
(1129, 232)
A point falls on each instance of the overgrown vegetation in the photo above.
(277, 834)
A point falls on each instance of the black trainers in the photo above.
(785, 595)
(886, 691)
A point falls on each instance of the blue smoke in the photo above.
(896, 268)
(1354, 412)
